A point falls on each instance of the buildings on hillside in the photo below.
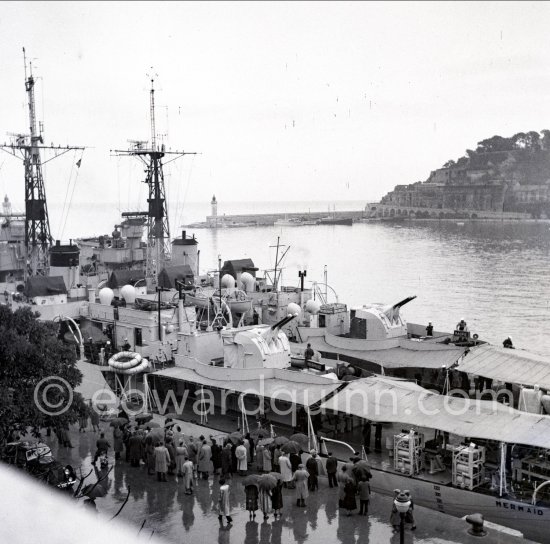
(483, 184)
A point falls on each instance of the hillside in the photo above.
(523, 158)
(500, 175)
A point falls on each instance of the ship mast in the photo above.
(27, 148)
(158, 226)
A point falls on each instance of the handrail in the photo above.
(326, 439)
(540, 486)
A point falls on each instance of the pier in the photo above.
(269, 219)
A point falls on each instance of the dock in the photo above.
(269, 219)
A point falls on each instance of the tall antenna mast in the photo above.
(37, 223)
(158, 226)
(27, 148)
(152, 113)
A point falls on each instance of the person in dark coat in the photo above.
(118, 442)
(150, 454)
(134, 447)
(332, 469)
(83, 419)
(234, 460)
(251, 498)
(295, 460)
(349, 502)
(126, 440)
(172, 452)
(216, 456)
(364, 496)
(94, 418)
(102, 446)
(312, 468)
(252, 448)
(409, 516)
(277, 498)
(227, 460)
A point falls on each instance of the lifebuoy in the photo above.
(142, 367)
(476, 336)
(125, 360)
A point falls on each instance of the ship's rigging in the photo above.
(158, 225)
(26, 147)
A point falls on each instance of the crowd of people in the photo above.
(165, 452)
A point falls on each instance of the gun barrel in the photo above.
(404, 301)
(282, 322)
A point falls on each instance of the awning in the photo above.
(507, 365)
(399, 357)
(384, 399)
(297, 392)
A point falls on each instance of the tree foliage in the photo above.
(523, 157)
(30, 352)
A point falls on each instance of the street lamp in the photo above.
(402, 503)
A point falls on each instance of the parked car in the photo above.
(37, 459)
(32, 456)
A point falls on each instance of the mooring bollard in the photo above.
(476, 522)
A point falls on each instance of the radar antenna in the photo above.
(158, 226)
(27, 148)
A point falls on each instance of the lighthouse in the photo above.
(214, 211)
(214, 204)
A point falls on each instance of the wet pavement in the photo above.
(164, 509)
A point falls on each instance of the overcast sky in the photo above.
(283, 101)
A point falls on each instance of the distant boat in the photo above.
(335, 221)
(292, 222)
(460, 223)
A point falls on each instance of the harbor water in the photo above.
(492, 274)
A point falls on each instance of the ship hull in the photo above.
(532, 521)
(344, 221)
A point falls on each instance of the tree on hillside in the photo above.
(38, 375)
(496, 143)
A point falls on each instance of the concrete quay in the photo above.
(163, 509)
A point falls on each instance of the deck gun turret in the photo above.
(273, 331)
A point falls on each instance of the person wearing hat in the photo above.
(462, 331)
(462, 326)
(430, 329)
(300, 477)
(312, 467)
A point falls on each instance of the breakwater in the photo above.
(269, 219)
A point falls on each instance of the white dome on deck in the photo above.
(313, 306)
(128, 293)
(294, 309)
(228, 281)
(248, 282)
(106, 296)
